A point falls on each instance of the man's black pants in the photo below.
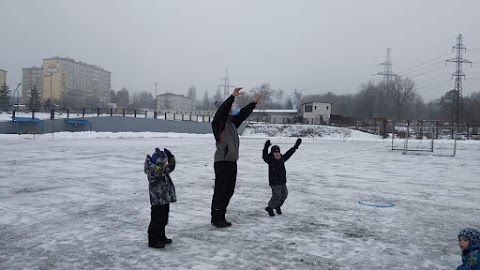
(225, 179)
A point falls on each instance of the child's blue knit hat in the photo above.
(157, 153)
(472, 235)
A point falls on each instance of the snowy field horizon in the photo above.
(80, 201)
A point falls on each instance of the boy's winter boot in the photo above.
(270, 211)
(279, 211)
(163, 238)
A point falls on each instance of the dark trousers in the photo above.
(279, 195)
(158, 221)
(225, 179)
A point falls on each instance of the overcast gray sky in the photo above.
(319, 46)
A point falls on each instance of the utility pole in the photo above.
(387, 75)
(226, 85)
(387, 72)
(457, 104)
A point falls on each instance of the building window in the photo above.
(327, 107)
(308, 108)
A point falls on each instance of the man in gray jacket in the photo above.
(224, 126)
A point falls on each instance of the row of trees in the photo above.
(397, 99)
(34, 100)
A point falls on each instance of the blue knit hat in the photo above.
(157, 153)
(472, 235)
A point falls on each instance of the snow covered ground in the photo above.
(80, 201)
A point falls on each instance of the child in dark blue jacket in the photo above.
(469, 241)
(277, 175)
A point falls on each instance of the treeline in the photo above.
(397, 99)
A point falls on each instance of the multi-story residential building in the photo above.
(72, 84)
(31, 77)
(3, 77)
(174, 103)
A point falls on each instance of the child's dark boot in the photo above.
(270, 211)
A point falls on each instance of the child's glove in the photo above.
(160, 153)
(297, 143)
(167, 152)
(267, 143)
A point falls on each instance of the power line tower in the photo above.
(387, 72)
(226, 85)
(457, 104)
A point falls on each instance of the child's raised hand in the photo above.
(297, 143)
(267, 143)
(167, 152)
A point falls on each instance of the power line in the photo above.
(441, 56)
(434, 88)
(441, 76)
(427, 72)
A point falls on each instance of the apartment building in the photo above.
(31, 77)
(73, 84)
(3, 77)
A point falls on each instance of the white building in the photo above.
(316, 112)
(175, 103)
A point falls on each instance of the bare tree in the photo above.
(401, 97)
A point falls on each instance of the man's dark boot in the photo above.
(155, 242)
(156, 245)
(279, 211)
(217, 219)
(270, 211)
(227, 223)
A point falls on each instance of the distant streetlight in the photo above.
(13, 96)
(156, 96)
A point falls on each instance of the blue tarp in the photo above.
(26, 119)
(77, 121)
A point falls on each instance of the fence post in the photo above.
(436, 130)
(468, 127)
(33, 113)
(98, 111)
(384, 129)
(123, 112)
(111, 112)
(145, 114)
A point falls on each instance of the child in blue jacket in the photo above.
(277, 175)
(469, 241)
